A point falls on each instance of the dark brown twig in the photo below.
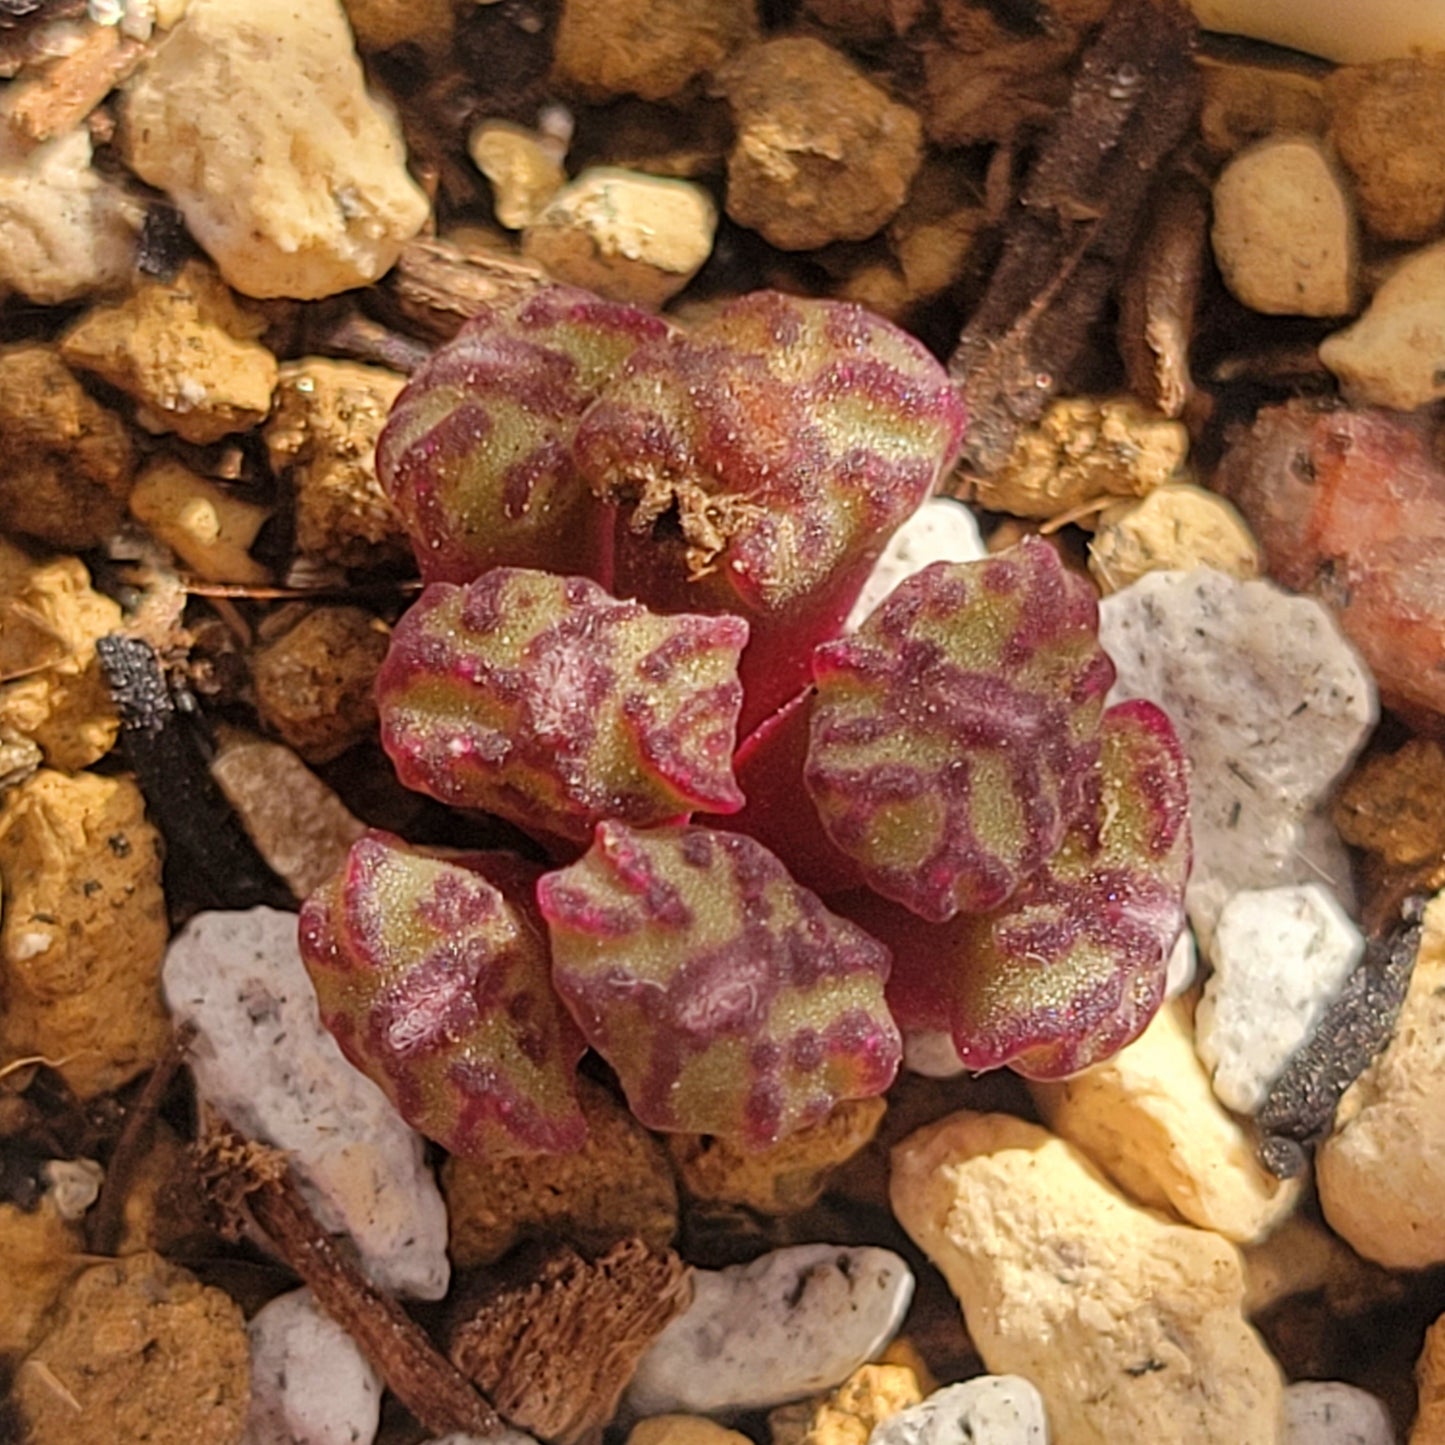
(247, 1180)
(106, 1221)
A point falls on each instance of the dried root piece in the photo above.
(251, 1183)
(545, 700)
(556, 1347)
(1134, 97)
(763, 460)
(476, 455)
(728, 999)
(1073, 967)
(436, 987)
(954, 735)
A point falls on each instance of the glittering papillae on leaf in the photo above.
(476, 455)
(954, 735)
(1073, 966)
(437, 986)
(543, 699)
(728, 999)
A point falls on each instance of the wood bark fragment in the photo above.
(556, 1342)
(250, 1182)
(1159, 296)
(438, 286)
(1133, 98)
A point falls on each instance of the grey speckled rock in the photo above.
(262, 1059)
(941, 530)
(792, 1323)
(989, 1410)
(1327, 1412)
(310, 1384)
(1270, 702)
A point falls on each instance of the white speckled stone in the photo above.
(931, 1052)
(941, 530)
(1270, 702)
(1183, 965)
(1280, 957)
(310, 1384)
(792, 1323)
(263, 1061)
(988, 1410)
(1328, 1412)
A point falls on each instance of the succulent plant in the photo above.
(955, 734)
(762, 461)
(950, 787)
(544, 700)
(476, 455)
(1072, 967)
(728, 999)
(436, 983)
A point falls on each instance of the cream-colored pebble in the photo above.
(1382, 1171)
(524, 170)
(204, 525)
(1177, 527)
(253, 115)
(65, 231)
(625, 235)
(1284, 231)
(1149, 1119)
(1130, 1326)
(1394, 355)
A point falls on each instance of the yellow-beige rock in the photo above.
(1393, 804)
(42, 1253)
(524, 168)
(299, 826)
(50, 619)
(315, 683)
(1385, 124)
(1083, 449)
(1284, 230)
(67, 462)
(207, 527)
(1149, 1119)
(1246, 103)
(184, 351)
(848, 1413)
(84, 929)
(385, 24)
(1177, 527)
(789, 1176)
(1381, 1173)
(1130, 1326)
(650, 48)
(139, 1350)
(322, 438)
(625, 235)
(254, 117)
(684, 1430)
(617, 1185)
(821, 153)
(1392, 355)
(1429, 1426)
(66, 232)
